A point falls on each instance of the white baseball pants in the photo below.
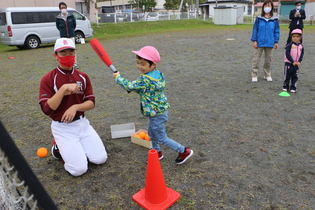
(78, 143)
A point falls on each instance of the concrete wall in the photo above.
(159, 5)
(34, 3)
(76, 4)
(310, 10)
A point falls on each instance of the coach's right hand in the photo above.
(70, 88)
(65, 89)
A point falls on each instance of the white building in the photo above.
(207, 8)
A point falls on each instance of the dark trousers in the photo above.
(290, 74)
(289, 37)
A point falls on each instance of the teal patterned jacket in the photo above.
(150, 87)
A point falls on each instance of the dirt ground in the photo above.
(253, 148)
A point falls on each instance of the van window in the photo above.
(3, 20)
(78, 16)
(33, 17)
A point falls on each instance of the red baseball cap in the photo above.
(63, 44)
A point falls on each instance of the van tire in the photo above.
(78, 36)
(32, 42)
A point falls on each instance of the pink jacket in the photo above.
(293, 53)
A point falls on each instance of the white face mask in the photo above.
(64, 11)
(298, 7)
(267, 9)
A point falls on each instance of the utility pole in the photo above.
(253, 10)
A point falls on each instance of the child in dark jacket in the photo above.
(293, 57)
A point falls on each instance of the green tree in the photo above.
(148, 4)
(170, 5)
(174, 4)
(88, 4)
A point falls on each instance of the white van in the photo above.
(28, 27)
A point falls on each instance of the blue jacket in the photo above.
(266, 32)
(66, 28)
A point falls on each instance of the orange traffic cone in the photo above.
(155, 195)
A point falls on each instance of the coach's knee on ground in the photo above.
(77, 170)
(99, 159)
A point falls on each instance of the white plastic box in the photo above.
(141, 142)
(122, 130)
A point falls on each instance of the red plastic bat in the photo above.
(100, 51)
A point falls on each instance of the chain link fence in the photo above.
(147, 16)
(176, 15)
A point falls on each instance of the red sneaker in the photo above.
(160, 155)
(182, 157)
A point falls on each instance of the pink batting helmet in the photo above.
(297, 31)
(149, 53)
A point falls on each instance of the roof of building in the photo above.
(229, 1)
(259, 4)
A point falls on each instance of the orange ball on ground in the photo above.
(42, 152)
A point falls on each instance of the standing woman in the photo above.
(265, 37)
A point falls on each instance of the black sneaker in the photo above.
(182, 157)
(55, 151)
(160, 155)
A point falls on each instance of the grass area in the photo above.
(249, 154)
(128, 29)
(108, 31)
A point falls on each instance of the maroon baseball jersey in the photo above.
(53, 80)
